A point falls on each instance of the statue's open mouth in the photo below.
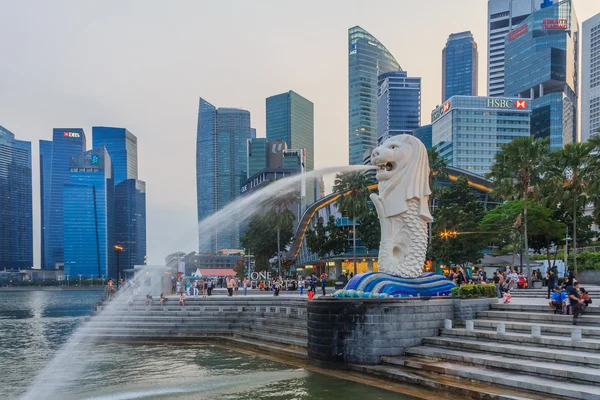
(387, 166)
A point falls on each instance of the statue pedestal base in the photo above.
(382, 285)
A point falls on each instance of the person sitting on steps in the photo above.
(577, 303)
(557, 301)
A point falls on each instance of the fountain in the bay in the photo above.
(403, 209)
(76, 355)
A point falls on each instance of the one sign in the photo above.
(71, 134)
(181, 267)
(555, 24)
(493, 102)
(265, 276)
(517, 33)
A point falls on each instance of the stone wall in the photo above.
(589, 277)
(465, 310)
(342, 331)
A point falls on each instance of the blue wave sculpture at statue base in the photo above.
(381, 285)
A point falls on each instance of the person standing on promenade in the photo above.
(323, 283)
(236, 285)
(276, 287)
(552, 281)
(245, 286)
(313, 283)
(496, 280)
(230, 287)
(301, 284)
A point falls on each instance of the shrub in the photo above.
(475, 291)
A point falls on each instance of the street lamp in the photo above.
(118, 249)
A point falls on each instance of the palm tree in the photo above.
(572, 177)
(437, 172)
(353, 188)
(518, 167)
(281, 217)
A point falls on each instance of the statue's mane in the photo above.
(410, 182)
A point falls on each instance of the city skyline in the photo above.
(57, 81)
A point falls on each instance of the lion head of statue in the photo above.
(403, 174)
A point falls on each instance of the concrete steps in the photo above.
(508, 378)
(593, 309)
(556, 329)
(539, 317)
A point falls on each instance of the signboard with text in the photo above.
(555, 24)
(71, 134)
(494, 102)
(517, 33)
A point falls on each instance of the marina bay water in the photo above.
(34, 325)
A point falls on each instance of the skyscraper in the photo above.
(542, 64)
(459, 66)
(66, 143)
(122, 148)
(290, 118)
(503, 17)
(89, 215)
(398, 104)
(220, 168)
(45, 179)
(367, 59)
(16, 226)
(590, 78)
(130, 193)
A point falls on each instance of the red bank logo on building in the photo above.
(517, 33)
(446, 106)
(71, 134)
(520, 104)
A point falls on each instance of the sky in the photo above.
(143, 64)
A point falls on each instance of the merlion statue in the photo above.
(402, 204)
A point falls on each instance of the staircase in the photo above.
(543, 293)
(552, 365)
(265, 324)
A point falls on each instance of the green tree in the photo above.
(281, 217)
(503, 225)
(518, 167)
(437, 168)
(240, 269)
(260, 238)
(369, 230)
(354, 200)
(456, 239)
(569, 179)
(325, 240)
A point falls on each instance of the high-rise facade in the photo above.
(122, 148)
(16, 225)
(129, 193)
(424, 134)
(66, 143)
(503, 17)
(221, 142)
(468, 131)
(542, 64)
(89, 215)
(290, 118)
(367, 59)
(398, 104)
(45, 179)
(459, 66)
(590, 77)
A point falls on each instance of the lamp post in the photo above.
(118, 249)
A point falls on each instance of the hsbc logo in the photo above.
(441, 110)
(506, 103)
(446, 106)
(521, 104)
(71, 134)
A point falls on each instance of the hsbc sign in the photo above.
(441, 110)
(71, 134)
(506, 103)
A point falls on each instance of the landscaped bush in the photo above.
(475, 291)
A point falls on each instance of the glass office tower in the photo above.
(541, 64)
(122, 148)
(130, 193)
(459, 66)
(398, 104)
(367, 59)
(66, 143)
(89, 216)
(290, 118)
(424, 134)
(468, 131)
(590, 78)
(220, 169)
(16, 225)
(45, 168)
(503, 17)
